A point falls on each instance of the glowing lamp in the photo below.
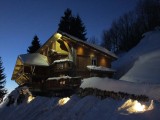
(133, 106)
(58, 35)
(63, 101)
(30, 98)
(139, 107)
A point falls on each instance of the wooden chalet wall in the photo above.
(84, 58)
(82, 55)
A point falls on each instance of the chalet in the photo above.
(61, 63)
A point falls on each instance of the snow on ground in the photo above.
(150, 90)
(147, 45)
(87, 108)
(146, 69)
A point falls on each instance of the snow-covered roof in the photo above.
(62, 60)
(102, 49)
(100, 68)
(62, 77)
(150, 90)
(58, 78)
(34, 59)
(99, 48)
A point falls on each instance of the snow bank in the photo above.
(87, 108)
(148, 44)
(150, 90)
(146, 69)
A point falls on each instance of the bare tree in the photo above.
(93, 40)
(148, 12)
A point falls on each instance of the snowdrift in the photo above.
(87, 108)
(150, 90)
(145, 70)
(146, 48)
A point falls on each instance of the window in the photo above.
(62, 82)
(94, 61)
(59, 66)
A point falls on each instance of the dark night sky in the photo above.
(20, 20)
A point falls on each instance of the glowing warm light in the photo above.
(133, 106)
(138, 107)
(92, 55)
(80, 51)
(151, 106)
(58, 35)
(103, 62)
(63, 101)
(30, 98)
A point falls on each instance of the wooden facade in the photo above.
(61, 56)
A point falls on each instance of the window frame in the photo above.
(94, 61)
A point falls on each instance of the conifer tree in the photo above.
(35, 45)
(3, 91)
(65, 22)
(72, 25)
(78, 28)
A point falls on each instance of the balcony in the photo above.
(62, 68)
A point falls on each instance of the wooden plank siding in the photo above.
(84, 58)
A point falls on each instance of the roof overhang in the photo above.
(65, 36)
(34, 59)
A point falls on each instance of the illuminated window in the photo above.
(61, 66)
(62, 82)
(94, 61)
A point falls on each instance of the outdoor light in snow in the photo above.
(133, 106)
(63, 101)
